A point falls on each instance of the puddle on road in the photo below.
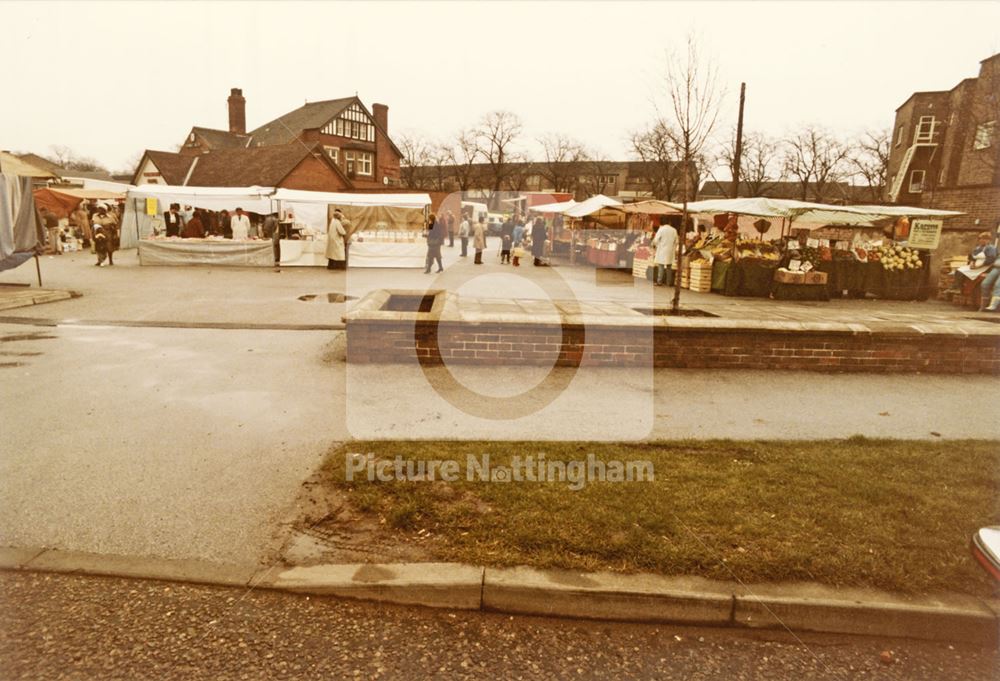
(325, 298)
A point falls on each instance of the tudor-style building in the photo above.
(333, 145)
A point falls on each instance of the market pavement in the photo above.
(249, 296)
(71, 627)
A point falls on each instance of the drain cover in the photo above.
(326, 298)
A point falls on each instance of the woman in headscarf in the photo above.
(336, 243)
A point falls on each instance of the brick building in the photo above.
(333, 145)
(946, 154)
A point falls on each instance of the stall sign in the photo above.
(150, 206)
(925, 234)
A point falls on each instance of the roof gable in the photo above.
(173, 167)
(286, 128)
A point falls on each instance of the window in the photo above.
(353, 123)
(899, 135)
(604, 180)
(359, 162)
(916, 182)
(984, 135)
(332, 152)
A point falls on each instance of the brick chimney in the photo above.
(381, 115)
(237, 111)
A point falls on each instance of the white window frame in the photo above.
(929, 121)
(332, 152)
(917, 187)
(366, 161)
(983, 139)
(899, 135)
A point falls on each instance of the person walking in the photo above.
(272, 231)
(450, 224)
(464, 230)
(665, 243)
(538, 235)
(479, 239)
(435, 239)
(336, 243)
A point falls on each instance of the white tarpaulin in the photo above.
(250, 199)
(907, 211)
(343, 199)
(206, 252)
(589, 206)
(561, 207)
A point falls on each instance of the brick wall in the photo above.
(312, 174)
(895, 351)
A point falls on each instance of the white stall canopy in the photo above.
(590, 206)
(341, 199)
(251, 199)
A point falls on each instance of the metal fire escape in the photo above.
(924, 136)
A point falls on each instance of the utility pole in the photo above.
(738, 153)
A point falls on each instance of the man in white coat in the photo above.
(240, 224)
(336, 243)
(665, 243)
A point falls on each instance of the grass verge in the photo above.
(888, 514)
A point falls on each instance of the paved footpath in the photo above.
(59, 626)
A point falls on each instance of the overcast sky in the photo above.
(111, 79)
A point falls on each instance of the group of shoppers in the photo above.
(513, 234)
(192, 223)
(95, 225)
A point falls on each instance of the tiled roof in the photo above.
(221, 139)
(172, 166)
(263, 166)
(286, 128)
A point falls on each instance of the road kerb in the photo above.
(437, 585)
(142, 567)
(811, 607)
(602, 595)
(561, 593)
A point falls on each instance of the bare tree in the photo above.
(595, 171)
(416, 157)
(656, 147)
(816, 159)
(497, 136)
(462, 155)
(870, 161)
(65, 157)
(759, 165)
(693, 109)
(563, 157)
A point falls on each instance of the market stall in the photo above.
(142, 221)
(823, 251)
(385, 230)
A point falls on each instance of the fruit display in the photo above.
(757, 249)
(898, 258)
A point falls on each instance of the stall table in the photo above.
(222, 252)
(750, 277)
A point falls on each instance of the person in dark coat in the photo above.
(538, 235)
(435, 239)
(506, 240)
(173, 220)
(194, 228)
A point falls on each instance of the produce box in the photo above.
(815, 278)
(786, 277)
(639, 267)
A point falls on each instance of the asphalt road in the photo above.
(69, 627)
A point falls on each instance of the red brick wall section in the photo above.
(312, 174)
(511, 344)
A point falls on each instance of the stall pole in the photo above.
(38, 270)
